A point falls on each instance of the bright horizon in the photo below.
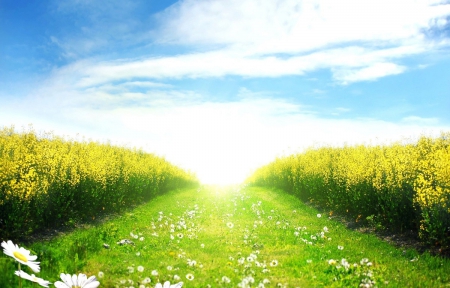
(221, 88)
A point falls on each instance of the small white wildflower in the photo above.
(274, 263)
(146, 280)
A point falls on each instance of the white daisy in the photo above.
(32, 278)
(21, 255)
(74, 281)
(167, 285)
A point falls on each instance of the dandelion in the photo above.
(274, 263)
(319, 215)
(130, 269)
(325, 229)
(21, 255)
(230, 225)
(180, 235)
(332, 262)
(155, 273)
(176, 277)
(345, 263)
(140, 269)
(167, 285)
(74, 281)
(190, 276)
(100, 274)
(169, 268)
(146, 280)
(141, 239)
(225, 279)
(341, 247)
(32, 278)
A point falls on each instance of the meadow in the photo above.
(230, 237)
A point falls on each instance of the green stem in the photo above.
(20, 278)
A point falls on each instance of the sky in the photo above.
(222, 87)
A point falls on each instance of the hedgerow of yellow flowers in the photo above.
(403, 185)
(45, 179)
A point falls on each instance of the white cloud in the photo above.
(293, 25)
(349, 64)
(357, 40)
(420, 120)
(375, 71)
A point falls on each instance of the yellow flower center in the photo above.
(20, 256)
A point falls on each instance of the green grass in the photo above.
(274, 239)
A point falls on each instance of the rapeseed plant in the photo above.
(383, 184)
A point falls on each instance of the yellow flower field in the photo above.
(400, 186)
(45, 180)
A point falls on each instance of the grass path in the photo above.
(232, 237)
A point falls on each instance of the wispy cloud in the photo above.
(375, 71)
(356, 40)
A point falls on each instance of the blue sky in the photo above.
(223, 87)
